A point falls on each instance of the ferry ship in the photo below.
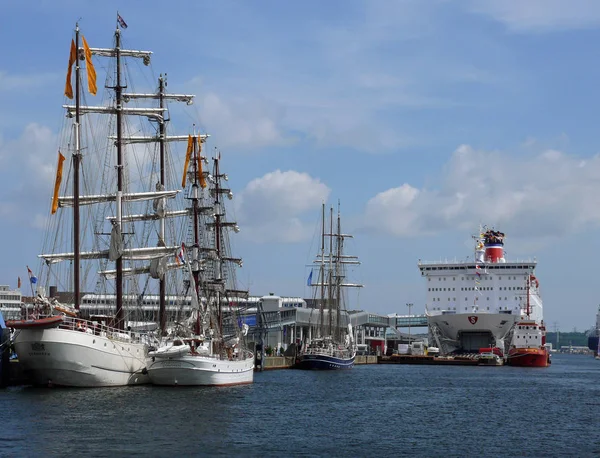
(475, 303)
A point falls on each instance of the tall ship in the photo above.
(112, 226)
(475, 303)
(209, 348)
(330, 343)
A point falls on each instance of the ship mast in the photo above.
(195, 214)
(161, 231)
(322, 304)
(330, 291)
(339, 274)
(118, 221)
(76, 167)
(217, 233)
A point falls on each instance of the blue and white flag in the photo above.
(180, 258)
(309, 280)
(32, 278)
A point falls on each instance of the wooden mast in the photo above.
(76, 167)
(119, 142)
(195, 212)
(162, 283)
(322, 276)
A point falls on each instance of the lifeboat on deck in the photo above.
(39, 323)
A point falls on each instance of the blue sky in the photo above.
(424, 118)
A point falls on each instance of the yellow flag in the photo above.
(91, 71)
(200, 174)
(188, 156)
(61, 159)
(72, 58)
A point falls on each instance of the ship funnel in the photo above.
(494, 246)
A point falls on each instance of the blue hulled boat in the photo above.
(334, 345)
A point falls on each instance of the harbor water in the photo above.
(371, 410)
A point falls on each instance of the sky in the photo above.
(423, 119)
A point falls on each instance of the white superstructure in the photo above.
(475, 304)
(10, 303)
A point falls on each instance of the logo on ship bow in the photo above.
(473, 319)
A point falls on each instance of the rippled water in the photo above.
(375, 410)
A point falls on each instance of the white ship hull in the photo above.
(200, 370)
(471, 331)
(66, 357)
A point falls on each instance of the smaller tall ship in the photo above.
(209, 348)
(528, 345)
(332, 345)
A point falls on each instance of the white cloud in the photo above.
(242, 122)
(541, 15)
(16, 83)
(270, 207)
(552, 193)
(28, 165)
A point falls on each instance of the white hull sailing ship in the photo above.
(209, 349)
(333, 345)
(112, 220)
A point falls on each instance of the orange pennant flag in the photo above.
(188, 156)
(200, 173)
(72, 58)
(91, 71)
(61, 159)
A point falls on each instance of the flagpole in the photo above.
(30, 283)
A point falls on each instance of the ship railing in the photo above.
(465, 262)
(99, 329)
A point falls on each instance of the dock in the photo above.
(287, 362)
(426, 359)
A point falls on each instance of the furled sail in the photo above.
(132, 254)
(67, 201)
(116, 243)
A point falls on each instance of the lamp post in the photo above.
(409, 305)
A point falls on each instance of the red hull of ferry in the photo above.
(529, 357)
